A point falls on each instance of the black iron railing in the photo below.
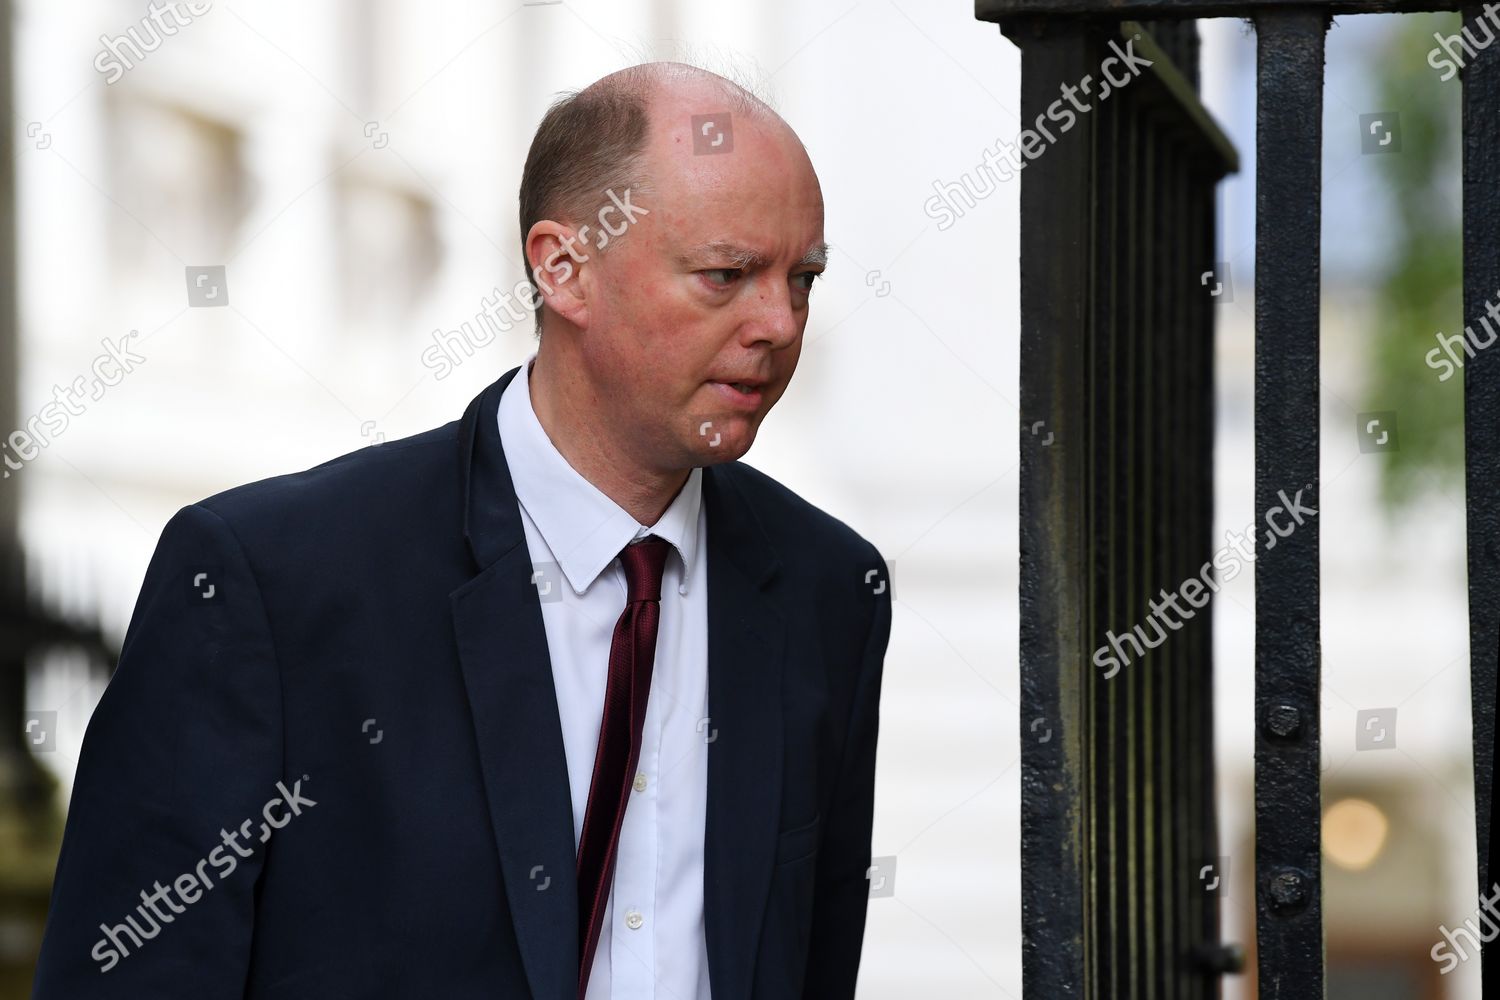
(29, 632)
(1120, 853)
(1118, 829)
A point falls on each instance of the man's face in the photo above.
(674, 317)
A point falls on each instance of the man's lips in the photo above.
(743, 395)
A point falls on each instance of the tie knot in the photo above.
(643, 562)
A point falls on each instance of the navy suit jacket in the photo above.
(232, 779)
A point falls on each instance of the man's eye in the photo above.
(728, 275)
(809, 276)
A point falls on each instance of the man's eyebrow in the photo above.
(738, 256)
(816, 254)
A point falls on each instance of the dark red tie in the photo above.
(630, 656)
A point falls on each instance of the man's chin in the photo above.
(722, 457)
(723, 439)
(732, 452)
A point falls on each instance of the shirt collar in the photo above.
(583, 527)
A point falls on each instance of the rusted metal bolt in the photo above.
(1284, 721)
(1288, 890)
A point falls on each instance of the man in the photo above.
(559, 700)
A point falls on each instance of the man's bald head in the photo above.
(595, 140)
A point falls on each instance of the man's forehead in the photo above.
(766, 167)
(697, 118)
(753, 203)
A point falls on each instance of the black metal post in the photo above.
(1056, 242)
(1481, 215)
(1288, 817)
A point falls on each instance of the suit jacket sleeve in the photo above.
(842, 890)
(183, 750)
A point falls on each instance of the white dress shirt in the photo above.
(652, 944)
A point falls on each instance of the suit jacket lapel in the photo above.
(746, 637)
(502, 646)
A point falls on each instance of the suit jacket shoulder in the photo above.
(812, 544)
(395, 478)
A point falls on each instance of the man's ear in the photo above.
(557, 257)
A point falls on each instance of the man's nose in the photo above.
(773, 318)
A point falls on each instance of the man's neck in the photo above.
(643, 494)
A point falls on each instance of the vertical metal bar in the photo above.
(1160, 338)
(1181, 501)
(1170, 526)
(1131, 577)
(1197, 709)
(1144, 388)
(1289, 103)
(1056, 253)
(1195, 815)
(1105, 461)
(1185, 500)
(1481, 214)
(1207, 935)
(1111, 327)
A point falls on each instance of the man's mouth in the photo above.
(746, 394)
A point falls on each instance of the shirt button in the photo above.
(640, 782)
(633, 919)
